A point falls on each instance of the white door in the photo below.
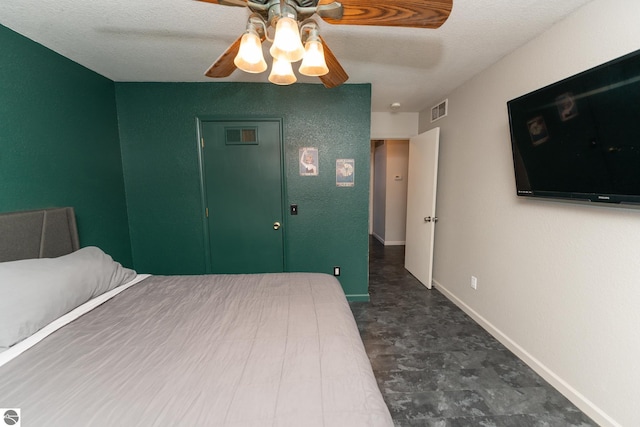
(421, 205)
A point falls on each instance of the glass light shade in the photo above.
(249, 57)
(281, 72)
(313, 63)
(287, 44)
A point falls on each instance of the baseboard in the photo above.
(378, 238)
(387, 242)
(358, 298)
(562, 386)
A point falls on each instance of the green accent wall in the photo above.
(70, 137)
(158, 134)
(59, 143)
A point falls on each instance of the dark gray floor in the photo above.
(436, 367)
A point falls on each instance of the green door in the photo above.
(243, 188)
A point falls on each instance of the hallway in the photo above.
(436, 367)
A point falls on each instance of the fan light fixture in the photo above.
(286, 49)
(282, 72)
(287, 24)
(313, 63)
(287, 44)
(249, 57)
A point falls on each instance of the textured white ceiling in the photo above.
(177, 40)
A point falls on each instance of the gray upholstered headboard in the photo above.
(45, 233)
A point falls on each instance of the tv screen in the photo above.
(579, 138)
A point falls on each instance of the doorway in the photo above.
(419, 173)
(388, 207)
(242, 191)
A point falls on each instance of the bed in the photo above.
(87, 342)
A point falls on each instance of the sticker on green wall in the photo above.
(308, 161)
(345, 172)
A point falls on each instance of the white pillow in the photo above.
(34, 292)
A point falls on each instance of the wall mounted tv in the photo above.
(579, 138)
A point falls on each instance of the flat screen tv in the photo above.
(579, 138)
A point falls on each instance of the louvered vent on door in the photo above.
(241, 136)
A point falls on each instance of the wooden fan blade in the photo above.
(224, 66)
(336, 75)
(398, 13)
(240, 3)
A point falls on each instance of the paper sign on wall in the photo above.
(345, 172)
(308, 161)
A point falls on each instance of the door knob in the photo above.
(435, 219)
(427, 219)
(276, 225)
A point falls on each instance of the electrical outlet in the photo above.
(336, 271)
(474, 282)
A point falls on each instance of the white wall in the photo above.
(558, 283)
(389, 126)
(389, 201)
(394, 125)
(396, 198)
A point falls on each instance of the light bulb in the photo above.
(281, 72)
(287, 44)
(249, 57)
(313, 63)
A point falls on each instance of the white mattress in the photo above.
(217, 350)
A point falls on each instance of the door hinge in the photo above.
(206, 212)
(202, 142)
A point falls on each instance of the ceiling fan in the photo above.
(296, 34)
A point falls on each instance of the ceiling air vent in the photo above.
(439, 111)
